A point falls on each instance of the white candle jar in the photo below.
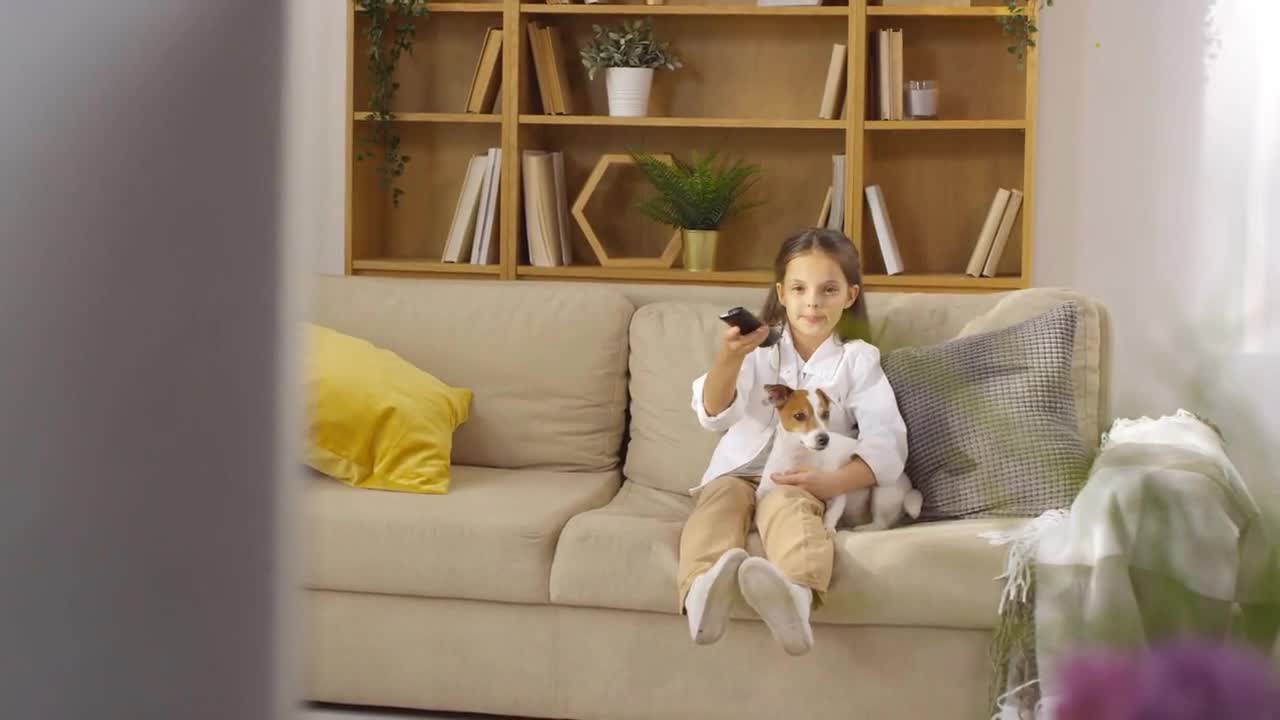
(922, 99)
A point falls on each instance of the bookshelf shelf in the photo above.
(945, 125)
(942, 281)
(437, 117)
(660, 275)
(421, 266)
(937, 177)
(937, 11)
(727, 9)
(690, 122)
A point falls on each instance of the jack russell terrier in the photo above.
(801, 438)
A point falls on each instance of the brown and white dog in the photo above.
(801, 438)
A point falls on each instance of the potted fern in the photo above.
(629, 54)
(696, 197)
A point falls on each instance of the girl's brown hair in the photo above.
(853, 324)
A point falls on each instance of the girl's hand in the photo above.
(735, 345)
(820, 484)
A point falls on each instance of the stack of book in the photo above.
(546, 208)
(550, 69)
(885, 76)
(487, 77)
(995, 233)
(833, 93)
(473, 232)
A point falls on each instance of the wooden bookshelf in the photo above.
(761, 105)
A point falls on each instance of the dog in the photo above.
(801, 438)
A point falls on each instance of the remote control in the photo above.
(747, 323)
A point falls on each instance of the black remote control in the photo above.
(747, 323)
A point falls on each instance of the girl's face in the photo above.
(815, 294)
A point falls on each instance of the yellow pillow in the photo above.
(374, 420)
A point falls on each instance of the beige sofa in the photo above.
(543, 584)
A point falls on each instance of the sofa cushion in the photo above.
(671, 345)
(991, 419)
(491, 538)
(1088, 374)
(547, 364)
(374, 420)
(938, 574)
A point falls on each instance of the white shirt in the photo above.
(851, 376)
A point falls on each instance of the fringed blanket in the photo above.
(1164, 540)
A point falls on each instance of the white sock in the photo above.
(710, 598)
(783, 605)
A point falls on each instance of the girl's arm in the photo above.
(720, 394)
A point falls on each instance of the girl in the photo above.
(818, 288)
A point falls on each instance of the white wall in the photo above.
(1157, 176)
(1158, 186)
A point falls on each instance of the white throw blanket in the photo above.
(1163, 540)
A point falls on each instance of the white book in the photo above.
(490, 242)
(884, 230)
(482, 214)
(1002, 235)
(532, 230)
(987, 236)
(462, 228)
(486, 250)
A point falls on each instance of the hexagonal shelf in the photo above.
(668, 257)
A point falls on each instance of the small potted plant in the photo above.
(629, 54)
(697, 198)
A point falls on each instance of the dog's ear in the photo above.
(778, 394)
(824, 404)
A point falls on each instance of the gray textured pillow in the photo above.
(991, 419)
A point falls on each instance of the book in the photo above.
(554, 42)
(833, 93)
(884, 230)
(1002, 234)
(462, 228)
(835, 218)
(532, 228)
(484, 250)
(541, 69)
(896, 80)
(825, 211)
(542, 218)
(562, 209)
(885, 68)
(487, 76)
(987, 236)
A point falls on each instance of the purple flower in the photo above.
(1183, 680)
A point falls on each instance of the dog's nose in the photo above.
(823, 439)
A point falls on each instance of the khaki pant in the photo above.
(790, 523)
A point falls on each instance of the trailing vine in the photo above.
(1019, 26)
(383, 56)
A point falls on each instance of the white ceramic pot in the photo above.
(628, 90)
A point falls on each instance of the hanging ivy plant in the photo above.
(383, 56)
(1018, 25)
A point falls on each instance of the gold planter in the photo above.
(700, 249)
